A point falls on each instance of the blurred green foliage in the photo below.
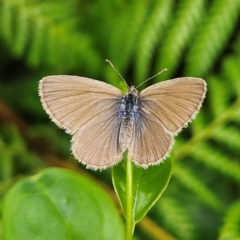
(196, 38)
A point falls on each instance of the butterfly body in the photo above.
(105, 122)
(129, 115)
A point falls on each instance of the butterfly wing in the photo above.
(164, 108)
(96, 144)
(174, 102)
(151, 142)
(72, 101)
(87, 108)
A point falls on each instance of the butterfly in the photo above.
(105, 122)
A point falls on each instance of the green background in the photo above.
(195, 38)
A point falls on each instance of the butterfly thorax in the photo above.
(128, 113)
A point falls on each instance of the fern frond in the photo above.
(13, 149)
(10, 143)
(128, 26)
(232, 113)
(44, 35)
(230, 229)
(236, 116)
(6, 163)
(219, 99)
(229, 136)
(6, 21)
(175, 217)
(151, 33)
(217, 160)
(199, 123)
(21, 34)
(189, 181)
(212, 36)
(232, 72)
(188, 15)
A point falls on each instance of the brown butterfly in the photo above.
(105, 122)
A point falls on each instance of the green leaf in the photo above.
(60, 204)
(148, 185)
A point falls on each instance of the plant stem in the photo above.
(129, 197)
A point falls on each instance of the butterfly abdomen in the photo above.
(125, 133)
(128, 113)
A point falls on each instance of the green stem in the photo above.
(129, 197)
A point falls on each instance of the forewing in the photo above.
(173, 102)
(73, 101)
(151, 142)
(96, 144)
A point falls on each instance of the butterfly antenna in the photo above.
(164, 70)
(117, 71)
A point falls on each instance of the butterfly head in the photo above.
(132, 90)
